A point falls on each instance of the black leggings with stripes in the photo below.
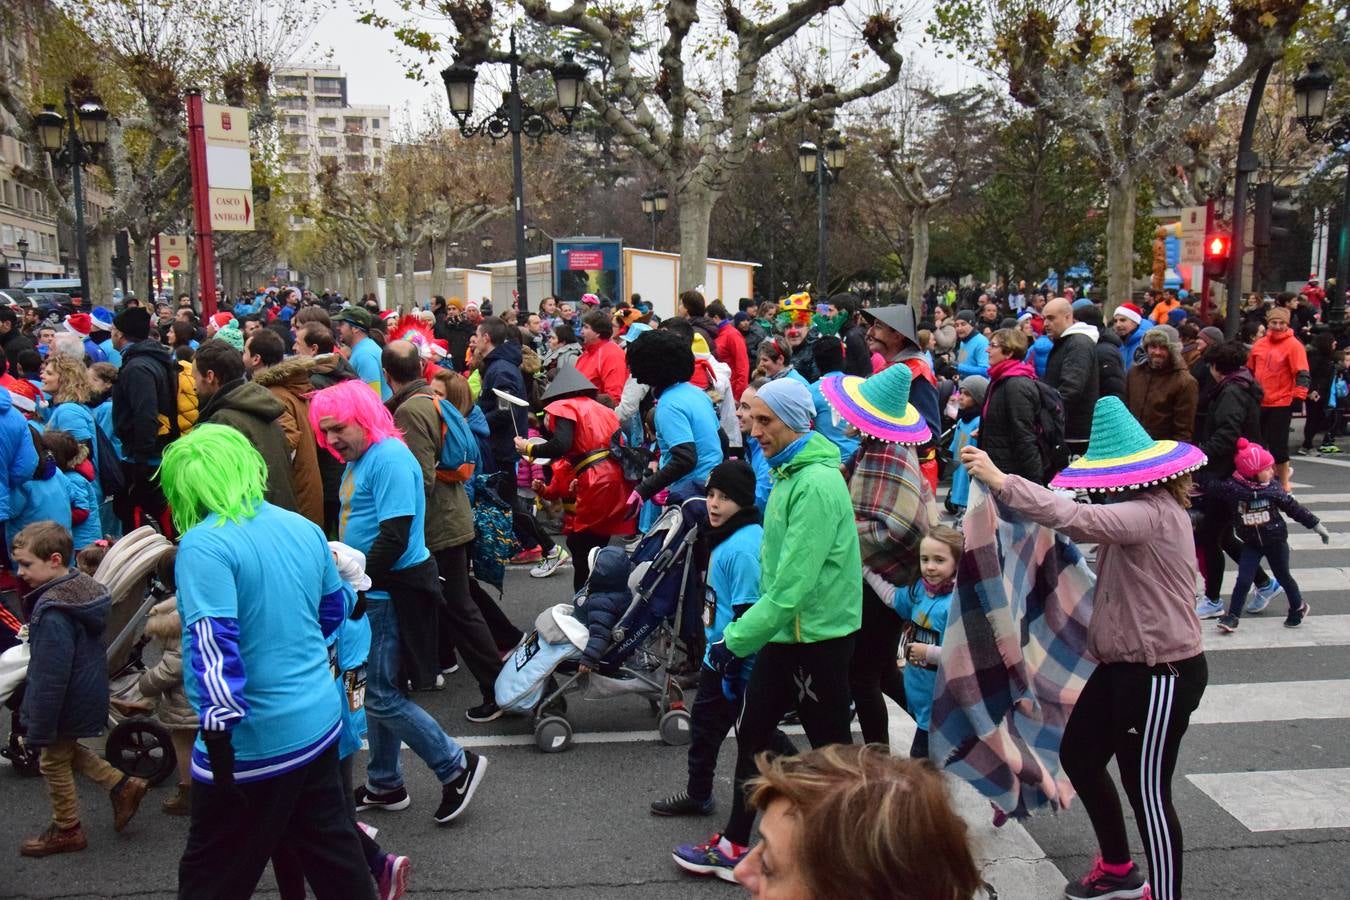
(1136, 714)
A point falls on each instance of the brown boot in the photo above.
(55, 840)
(126, 799)
(180, 804)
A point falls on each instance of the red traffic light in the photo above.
(1217, 250)
(1218, 246)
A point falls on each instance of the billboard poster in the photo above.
(587, 266)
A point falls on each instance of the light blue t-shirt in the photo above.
(365, 359)
(269, 574)
(385, 483)
(754, 455)
(38, 499)
(825, 424)
(685, 415)
(112, 353)
(929, 614)
(733, 580)
(351, 640)
(83, 495)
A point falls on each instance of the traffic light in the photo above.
(1218, 248)
(1274, 217)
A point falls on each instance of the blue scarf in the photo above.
(785, 456)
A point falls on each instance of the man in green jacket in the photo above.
(449, 525)
(809, 608)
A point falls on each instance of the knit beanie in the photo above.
(1277, 312)
(736, 479)
(791, 402)
(1251, 458)
(1176, 317)
(966, 315)
(1081, 304)
(133, 322)
(1214, 336)
(975, 386)
(231, 335)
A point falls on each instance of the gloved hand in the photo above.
(732, 688)
(1321, 531)
(661, 496)
(633, 505)
(723, 661)
(221, 753)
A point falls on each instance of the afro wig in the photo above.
(660, 359)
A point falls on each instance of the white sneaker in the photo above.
(550, 563)
(1206, 608)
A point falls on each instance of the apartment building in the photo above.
(319, 123)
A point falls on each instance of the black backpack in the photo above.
(1049, 427)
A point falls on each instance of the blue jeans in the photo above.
(391, 718)
(1277, 554)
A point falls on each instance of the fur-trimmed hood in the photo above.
(292, 370)
(164, 622)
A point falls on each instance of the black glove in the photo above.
(221, 753)
(723, 661)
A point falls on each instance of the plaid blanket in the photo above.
(1014, 658)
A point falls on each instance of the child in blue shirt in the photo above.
(733, 534)
(969, 400)
(45, 496)
(924, 607)
(76, 470)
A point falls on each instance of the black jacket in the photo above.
(1255, 510)
(146, 389)
(1008, 428)
(857, 355)
(804, 357)
(501, 369)
(1111, 371)
(603, 603)
(1232, 411)
(1072, 369)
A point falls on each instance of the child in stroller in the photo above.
(602, 604)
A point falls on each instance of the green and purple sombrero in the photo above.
(1122, 456)
(878, 405)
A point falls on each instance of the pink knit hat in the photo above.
(1251, 458)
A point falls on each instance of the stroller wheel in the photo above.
(141, 748)
(675, 728)
(553, 734)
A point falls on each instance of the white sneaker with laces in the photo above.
(550, 563)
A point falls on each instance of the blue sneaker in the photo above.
(708, 859)
(1206, 608)
(1261, 597)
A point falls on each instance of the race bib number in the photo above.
(1256, 517)
(354, 682)
(709, 608)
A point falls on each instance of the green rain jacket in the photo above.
(810, 587)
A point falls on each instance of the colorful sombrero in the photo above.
(879, 405)
(1122, 456)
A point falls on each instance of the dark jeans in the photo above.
(1277, 554)
(290, 872)
(872, 671)
(1275, 421)
(234, 831)
(527, 529)
(1316, 422)
(1137, 715)
(1215, 537)
(504, 632)
(142, 500)
(461, 624)
(811, 678)
(711, 719)
(580, 544)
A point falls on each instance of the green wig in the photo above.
(212, 469)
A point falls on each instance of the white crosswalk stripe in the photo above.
(1282, 801)
(1267, 632)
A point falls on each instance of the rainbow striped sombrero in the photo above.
(879, 405)
(1122, 456)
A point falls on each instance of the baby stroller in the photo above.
(654, 638)
(137, 744)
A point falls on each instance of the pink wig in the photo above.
(351, 402)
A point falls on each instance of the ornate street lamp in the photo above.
(821, 166)
(23, 253)
(1311, 91)
(654, 204)
(515, 117)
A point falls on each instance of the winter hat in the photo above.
(736, 479)
(221, 319)
(134, 323)
(791, 402)
(1131, 312)
(966, 315)
(1122, 456)
(1277, 312)
(741, 317)
(1176, 316)
(80, 323)
(878, 405)
(231, 335)
(590, 299)
(1081, 303)
(455, 303)
(1213, 336)
(1251, 458)
(471, 305)
(975, 386)
(351, 565)
(103, 318)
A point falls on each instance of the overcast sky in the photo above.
(371, 60)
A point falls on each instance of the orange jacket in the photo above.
(1280, 365)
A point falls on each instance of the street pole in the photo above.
(201, 200)
(653, 218)
(822, 201)
(518, 172)
(76, 149)
(1336, 309)
(1247, 163)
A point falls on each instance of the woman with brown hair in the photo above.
(853, 821)
(1011, 404)
(67, 381)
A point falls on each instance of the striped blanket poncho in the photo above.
(1014, 658)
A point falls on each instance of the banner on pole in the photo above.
(231, 210)
(1193, 221)
(229, 168)
(173, 252)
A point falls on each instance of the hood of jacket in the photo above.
(292, 372)
(1082, 328)
(610, 572)
(818, 450)
(1244, 380)
(80, 597)
(1108, 336)
(330, 369)
(164, 622)
(245, 397)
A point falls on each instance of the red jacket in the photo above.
(729, 347)
(605, 364)
(602, 492)
(1280, 364)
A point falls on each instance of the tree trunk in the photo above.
(100, 272)
(438, 266)
(918, 255)
(696, 205)
(391, 292)
(1121, 195)
(372, 266)
(408, 259)
(138, 273)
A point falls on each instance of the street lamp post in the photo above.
(1311, 90)
(822, 167)
(73, 140)
(654, 204)
(23, 254)
(516, 117)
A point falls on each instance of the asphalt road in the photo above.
(575, 824)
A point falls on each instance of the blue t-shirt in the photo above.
(733, 580)
(268, 574)
(825, 424)
(112, 354)
(365, 359)
(351, 641)
(385, 483)
(754, 454)
(685, 415)
(929, 615)
(38, 499)
(83, 495)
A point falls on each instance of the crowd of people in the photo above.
(353, 480)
